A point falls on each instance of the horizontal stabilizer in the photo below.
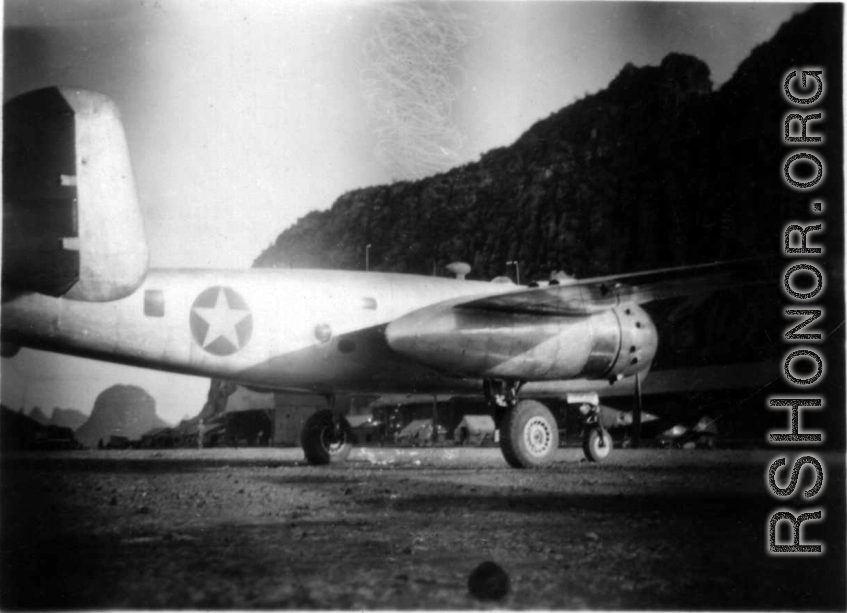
(598, 294)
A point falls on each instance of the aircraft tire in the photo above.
(316, 439)
(529, 435)
(594, 452)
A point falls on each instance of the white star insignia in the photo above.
(222, 320)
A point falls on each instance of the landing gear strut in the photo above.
(529, 432)
(326, 437)
(501, 395)
(596, 440)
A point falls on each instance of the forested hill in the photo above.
(658, 169)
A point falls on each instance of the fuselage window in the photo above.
(369, 303)
(154, 303)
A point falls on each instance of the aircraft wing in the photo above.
(597, 294)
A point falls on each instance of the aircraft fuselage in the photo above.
(313, 330)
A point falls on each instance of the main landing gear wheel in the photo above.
(529, 435)
(324, 444)
(597, 444)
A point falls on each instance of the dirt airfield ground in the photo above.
(395, 529)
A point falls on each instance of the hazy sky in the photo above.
(242, 116)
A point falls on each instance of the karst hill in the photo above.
(659, 169)
(121, 410)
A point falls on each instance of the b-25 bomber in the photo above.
(76, 281)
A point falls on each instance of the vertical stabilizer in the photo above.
(72, 226)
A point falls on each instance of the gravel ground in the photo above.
(398, 529)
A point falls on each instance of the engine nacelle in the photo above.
(638, 342)
(72, 225)
(516, 346)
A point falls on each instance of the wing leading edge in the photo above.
(598, 294)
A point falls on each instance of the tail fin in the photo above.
(71, 222)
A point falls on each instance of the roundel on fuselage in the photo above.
(221, 322)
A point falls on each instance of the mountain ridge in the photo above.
(120, 410)
(639, 175)
(68, 418)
